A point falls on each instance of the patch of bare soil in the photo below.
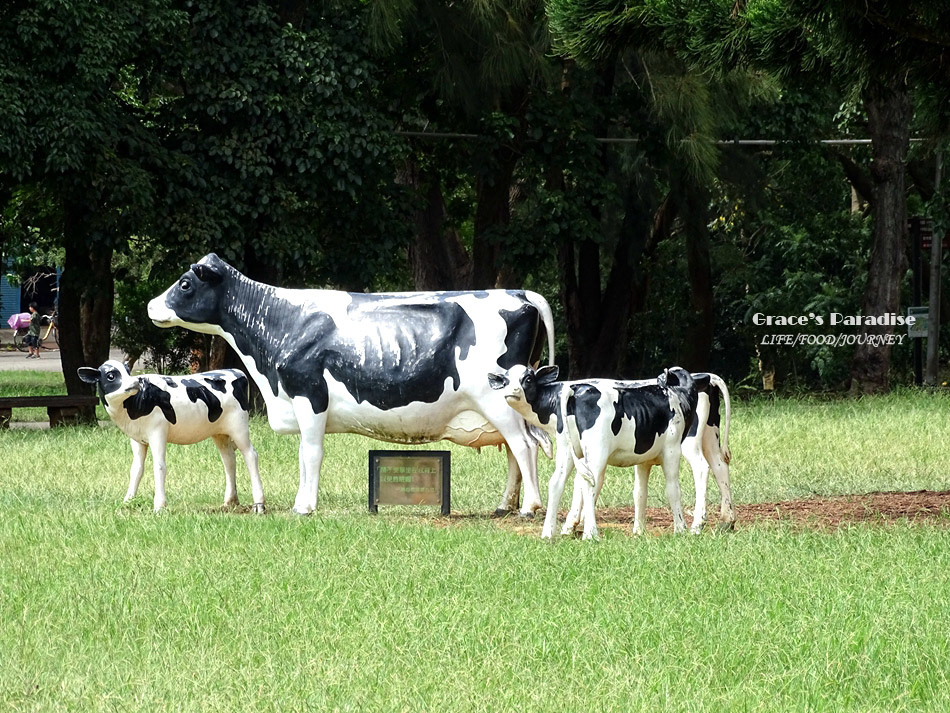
(922, 506)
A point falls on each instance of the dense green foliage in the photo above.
(275, 134)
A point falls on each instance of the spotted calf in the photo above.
(154, 410)
(602, 422)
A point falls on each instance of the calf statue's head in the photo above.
(194, 301)
(114, 382)
(519, 385)
(681, 387)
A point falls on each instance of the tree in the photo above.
(75, 143)
(881, 49)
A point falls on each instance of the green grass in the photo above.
(108, 607)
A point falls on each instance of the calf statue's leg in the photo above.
(243, 444)
(640, 483)
(700, 468)
(226, 450)
(671, 469)
(720, 469)
(563, 465)
(157, 443)
(138, 468)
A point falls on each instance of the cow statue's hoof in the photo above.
(258, 509)
(500, 513)
(725, 527)
(526, 515)
(303, 510)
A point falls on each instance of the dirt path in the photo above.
(814, 513)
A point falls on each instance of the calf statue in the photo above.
(400, 367)
(601, 421)
(154, 410)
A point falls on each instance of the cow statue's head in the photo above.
(194, 300)
(519, 385)
(114, 382)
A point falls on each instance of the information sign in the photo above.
(410, 478)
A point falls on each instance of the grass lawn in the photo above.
(108, 607)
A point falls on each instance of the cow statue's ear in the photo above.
(88, 374)
(497, 381)
(547, 374)
(206, 273)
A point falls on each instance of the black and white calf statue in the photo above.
(624, 423)
(154, 410)
(400, 367)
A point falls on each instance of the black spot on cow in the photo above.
(388, 354)
(702, 382)
(583, 406)
(196, 391)
(147, 399)
(544, 397)
(522, 336)
(240, 391)
(216, 381)
(170, 381)
(649, 409)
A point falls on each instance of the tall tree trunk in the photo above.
(436, 255)
(889, 111)
(492, 210)
(699, 324)
(86, 298)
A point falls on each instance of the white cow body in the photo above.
(402, 367)
(154, 410)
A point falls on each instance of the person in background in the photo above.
(32, 340)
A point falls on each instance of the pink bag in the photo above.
(19, 321)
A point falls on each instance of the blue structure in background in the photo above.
(9, 296)
(12, 299)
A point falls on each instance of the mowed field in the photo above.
(105, 606)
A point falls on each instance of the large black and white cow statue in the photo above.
(399, 367)
(154, 410)
(601, 421)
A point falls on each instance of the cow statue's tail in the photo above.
(547, 318)
(726, 416)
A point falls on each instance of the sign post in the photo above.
(410, 478)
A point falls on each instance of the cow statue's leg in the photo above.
(692, 451)
(157, 442)
(671, 470)
(226, 450)
(720, 469)
(524, 449)
(312, 430)
(640, 483)
(138, 468)
(563, 466)
(510, 499)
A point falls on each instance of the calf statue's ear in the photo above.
(206, 273)
(497, 381)
(88, 374)
(547, 374)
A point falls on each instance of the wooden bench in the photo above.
(61, 410)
